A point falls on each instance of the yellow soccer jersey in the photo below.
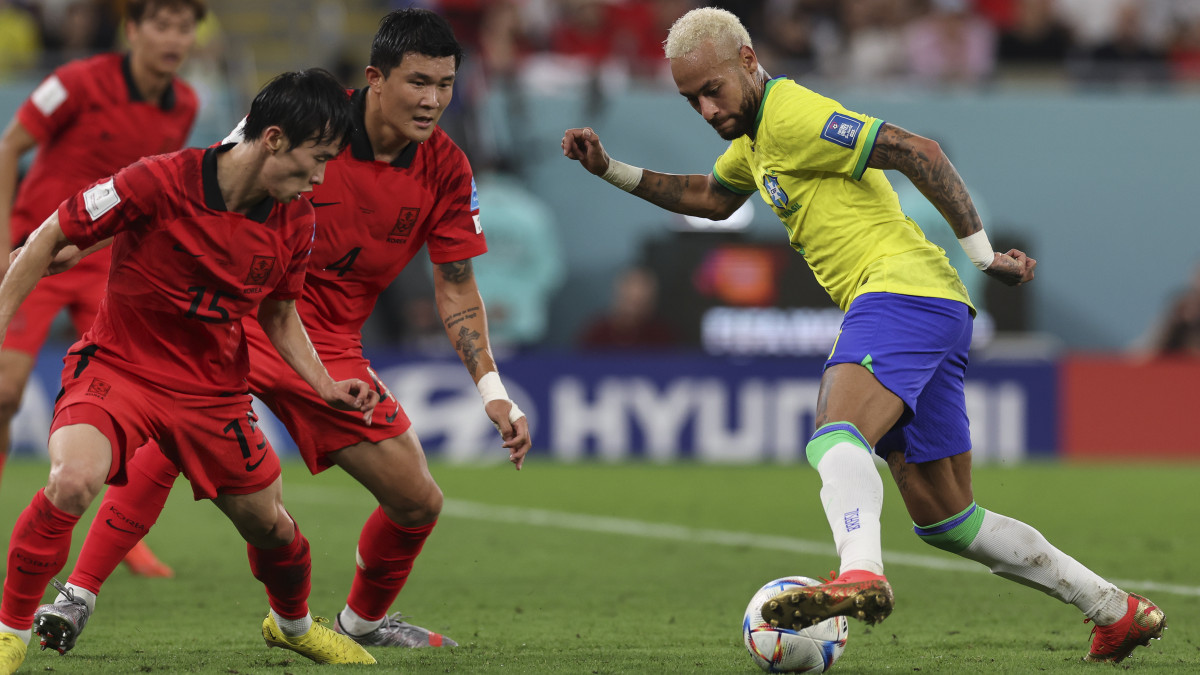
(808, 162)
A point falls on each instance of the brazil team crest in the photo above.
(778, 197)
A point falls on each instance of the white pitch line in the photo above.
(665, 531)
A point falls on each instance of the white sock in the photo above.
(1016, 551)
(354, 624)
(80, 594)
(852, 494)
(293, 627)
(23, 634)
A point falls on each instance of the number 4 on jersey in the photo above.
(344, 264)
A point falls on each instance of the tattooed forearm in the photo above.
(456, 272)
(691, 195)
(663, 189)
(458, 317)
(924, 163)
(468, 349)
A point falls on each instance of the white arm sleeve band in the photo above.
(622, 175)
(978, 249)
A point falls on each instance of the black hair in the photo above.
(413, 30)
(136, 10)
(308, 105)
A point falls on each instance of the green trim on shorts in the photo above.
(822, 444)
(958, 538)
(867, 363)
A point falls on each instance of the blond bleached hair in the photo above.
(704, 24)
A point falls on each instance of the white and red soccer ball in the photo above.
(783, 650)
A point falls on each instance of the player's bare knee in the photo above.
(267, 530)
(433, 503)
(73, 488)
(415, 510)
(11, 393)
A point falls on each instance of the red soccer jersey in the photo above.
(373, 217)
(90, 122)
(185, 270)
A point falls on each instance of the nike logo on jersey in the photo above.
(253, 466)
(181, 249)
(261, 446)
(317, 205)
(395, 413)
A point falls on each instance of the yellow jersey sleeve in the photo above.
(818, 134)
(733, 171)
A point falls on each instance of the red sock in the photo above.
(40, 544)
(386, 553)
(125, 516)
(286, 572)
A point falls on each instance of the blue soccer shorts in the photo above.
(917, 348)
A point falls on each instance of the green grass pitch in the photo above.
(635, 568)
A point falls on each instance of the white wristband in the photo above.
(492, 389)
(978, 249)
(514, 413)
(622, 175)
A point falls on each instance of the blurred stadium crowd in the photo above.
(969, 42)
(959, 42)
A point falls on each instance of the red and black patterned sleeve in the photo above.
(111, 205)
(457, 233)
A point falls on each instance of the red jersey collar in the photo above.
(166, 101)
(360, 143)
(212, 190)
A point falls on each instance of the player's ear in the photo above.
(375, 78)
(274, 139)
(748, 59)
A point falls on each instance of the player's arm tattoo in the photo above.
(468, 349)
(663, 189)
(457, 272)
(689, 194)
(462, 325)
(924, 163)
(461, 316)
(466, 336)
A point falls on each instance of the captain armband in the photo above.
(978, 249)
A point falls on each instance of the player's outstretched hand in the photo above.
(1013, 268)
(584, 145)
(515, 432)
(353, 395)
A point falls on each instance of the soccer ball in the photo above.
(783, 650)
